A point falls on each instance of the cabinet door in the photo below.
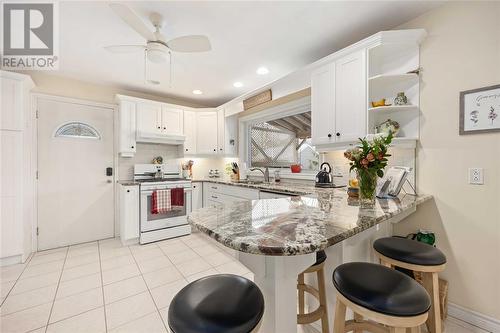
(129, 213)
(172, 121)
(350, 87)
(231, 135)
(323, 104)
(127, 128)
(148, 119)
(196, 196)
(206, 138)
(220, 132)
(190, 132)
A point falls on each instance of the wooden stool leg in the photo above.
(339, 321)
(358, 318)
(301, 294)
(415, 329)
(386, 264)
(397, 330)
(431, 284)
(322, 300)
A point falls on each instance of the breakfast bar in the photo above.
(277, 239)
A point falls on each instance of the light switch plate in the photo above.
(476, 176)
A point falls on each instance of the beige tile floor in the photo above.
(106, 287)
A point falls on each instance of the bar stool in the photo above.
(320, 294)
(218, 303)
(382, 299)
(418, 257)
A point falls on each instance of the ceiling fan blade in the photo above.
(193, 43)
(125, 48)
(131, 18)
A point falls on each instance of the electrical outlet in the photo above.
(476, 176)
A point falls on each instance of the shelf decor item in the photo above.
(369, 160)
(388, 126)
(379, 103)
(480, 110)
(401, 99)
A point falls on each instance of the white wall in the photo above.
(461, 52)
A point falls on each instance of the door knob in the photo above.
(338, 134)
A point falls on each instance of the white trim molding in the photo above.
(474, 318)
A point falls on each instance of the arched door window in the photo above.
(77, 129)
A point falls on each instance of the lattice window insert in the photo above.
(77, 130)
(272, 146)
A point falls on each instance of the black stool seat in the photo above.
(409, 251)
(320, 257)
(381, 289)
(218, 303)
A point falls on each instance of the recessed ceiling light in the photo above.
(238, 84)
(197, 92)
(262, 70)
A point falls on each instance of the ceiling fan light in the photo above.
(238, 84)
(197, 92)
(157, 56)
(262, 70)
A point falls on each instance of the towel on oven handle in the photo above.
(177, 197)
(161, 202)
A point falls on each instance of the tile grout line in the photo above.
(102, 287)
(149, 290)
(18, 278)
(57, 288)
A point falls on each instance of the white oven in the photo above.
(155, 227)
(170, 219)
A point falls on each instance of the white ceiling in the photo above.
(282, 36)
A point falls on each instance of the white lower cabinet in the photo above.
(129, 213)
(218, 194)
(196, 195)
(273, 195)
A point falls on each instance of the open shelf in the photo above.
(394, 79)
(392, 108)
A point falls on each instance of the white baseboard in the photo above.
(474, 318)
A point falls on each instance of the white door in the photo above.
(323, 104)
(172, 120)
(350, 86)
(75, 196)
(206, 138)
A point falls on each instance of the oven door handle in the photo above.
(148, 192)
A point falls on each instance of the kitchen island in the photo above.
(277, 239)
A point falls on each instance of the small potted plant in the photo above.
(369, 160)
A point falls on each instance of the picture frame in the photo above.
(480, 110)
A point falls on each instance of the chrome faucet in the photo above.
(265, 173)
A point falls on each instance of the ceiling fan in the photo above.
(157, 48)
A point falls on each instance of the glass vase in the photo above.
(367, 180)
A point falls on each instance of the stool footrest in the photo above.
(365, 325)
(311, 317)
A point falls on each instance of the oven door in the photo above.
(170, 219)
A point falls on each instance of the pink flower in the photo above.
(380, 156)
(370, 157)
(364, 162)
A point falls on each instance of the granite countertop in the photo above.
(307, 223)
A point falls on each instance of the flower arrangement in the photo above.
(369, 159)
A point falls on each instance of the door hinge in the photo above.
(36, 114)
(36, 174)
(37, 232)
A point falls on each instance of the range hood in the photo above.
(167, 139)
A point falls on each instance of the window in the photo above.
(77, 130)
(281, 142)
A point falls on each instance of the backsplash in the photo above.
(147, 151)
(400, 157)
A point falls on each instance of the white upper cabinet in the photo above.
(206, 134)
(190, 132)
(148, 119)
(323, 104)
(126, 128)
(350, 97)
(220, 132)
(172, 120)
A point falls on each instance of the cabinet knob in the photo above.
(128, 191)
(329, 135)
(215, 149)
(164, 128)
(159, 127)
(221, 149)
(338, 134)
(187, 149)
(132, 147)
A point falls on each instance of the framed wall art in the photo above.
(480, 110)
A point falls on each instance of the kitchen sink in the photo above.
(251, 182)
